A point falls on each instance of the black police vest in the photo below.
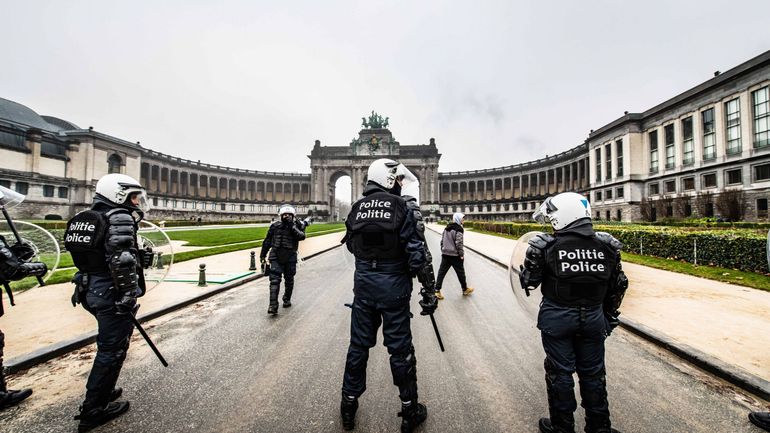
(84, 239)
(375, 223)
(283, 237)
(578, 270)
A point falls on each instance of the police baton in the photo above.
(438, 334)
(147, 338)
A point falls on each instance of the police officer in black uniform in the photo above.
(282, 241)
(583, 285)
(104, 248)
(12, 268)
(382, 234)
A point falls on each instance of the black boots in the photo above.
(12, 397)
(348, 408)
(273, 308)
(599, 424)
(760, 419)
(92, 418)
(558, 423)
(287, 296)
(412, 414)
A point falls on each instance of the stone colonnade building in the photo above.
(674, 160)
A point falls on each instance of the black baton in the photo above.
(147, 339)
(438, 335)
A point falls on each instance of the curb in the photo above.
(730, 373)
(24, 362)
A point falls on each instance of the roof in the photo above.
(14, 112)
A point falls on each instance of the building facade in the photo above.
(705, 152)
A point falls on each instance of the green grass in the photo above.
(214, 237)
(725, 275)
(65, 275)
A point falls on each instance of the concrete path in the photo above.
(44, 315)
(725, 321)
(235, 369)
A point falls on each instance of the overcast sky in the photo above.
(252, 84)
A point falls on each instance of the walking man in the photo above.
(453, 254)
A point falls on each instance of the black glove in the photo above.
(145, 257)
(264, 265)
(429, 302)
(23, 250)
(126, 304)
(613, 320)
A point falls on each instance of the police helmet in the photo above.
(383, 172)
(117, 189)
(287, 209)
(562, 210)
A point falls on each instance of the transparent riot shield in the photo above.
(31, 243)
(528, 300)
(153, 237)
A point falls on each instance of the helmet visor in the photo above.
(9, 198)
(404, 176)
(541, 215)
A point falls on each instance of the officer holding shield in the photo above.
(104, 248)
(583, 284)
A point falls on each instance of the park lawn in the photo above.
(214, 237)
(725, 275)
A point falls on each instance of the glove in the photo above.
(307, 221)
(613, 320)
(126, 304)
(429, 302)
(264, 265)
(23, 250)
(145, 257)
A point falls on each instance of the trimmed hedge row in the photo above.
(734, 249)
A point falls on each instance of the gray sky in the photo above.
(252, 84)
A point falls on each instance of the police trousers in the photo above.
(573, 340)
(287, 270)
(365, 320)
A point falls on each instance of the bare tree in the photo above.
(729, 203)
(703, 202)
(645, 209)
(664, 206)
(681, 204)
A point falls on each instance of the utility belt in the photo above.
(381, 265)
(82, 282)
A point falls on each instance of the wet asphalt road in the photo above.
(236, 369)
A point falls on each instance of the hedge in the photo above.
(734, 249)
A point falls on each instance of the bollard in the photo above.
(159, 262)
(253, 263)
(202, 275)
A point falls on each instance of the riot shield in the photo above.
(528, 300)
(155, 238)
(32, 243)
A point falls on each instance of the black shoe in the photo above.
(96, 417)
(12, 397)
(286, 303)
(760, 419)
(273, 309)
(348, 408)
(116, 393)
(547, 427)
(599, 425)
(413, 415)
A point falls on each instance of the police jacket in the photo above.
(282, 241)
(577, 266)
(103, 245)
(383, 237)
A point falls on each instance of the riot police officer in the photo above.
(103, 244)
(282, 241)
(382, 233)
(583, 284)
(13, 269)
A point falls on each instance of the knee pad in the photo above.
(275, 278)
(404, 366)
(593, 390)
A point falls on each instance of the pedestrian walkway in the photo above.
(725, 321)
(44, 316)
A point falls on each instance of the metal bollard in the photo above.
(159, 261)
(202, 275)
(253, 263)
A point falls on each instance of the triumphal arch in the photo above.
(375, 140)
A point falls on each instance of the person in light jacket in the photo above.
(453, 254)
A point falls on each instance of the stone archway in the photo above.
(332, 192)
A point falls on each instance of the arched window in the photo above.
(113, 163)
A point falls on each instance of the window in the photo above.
(687, 209)
(761, 208)
(688, 184)
(213, 206)
(598, 196)
(184, 204)
(710, 180)
(22, 187)
(165, 202)
(598, 215)
(670, 186)
(223, 206)
(618, 215)
(668, 133)
(709, 137)
(48, 190)
(113, 163)
(761, 118)
(608, 161)
(709, 208)
(761, 172)
(608, 194)
(515, 206)
(733, 123)
(64, 192)
(653, 151)
(619, 153)
(5, 183)
(688, 146)
(598, 164)
(654, 189)
(155, 201)
(174, 204)
(734, 176)
(243, 208)
(607, 215)
(619, 192)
